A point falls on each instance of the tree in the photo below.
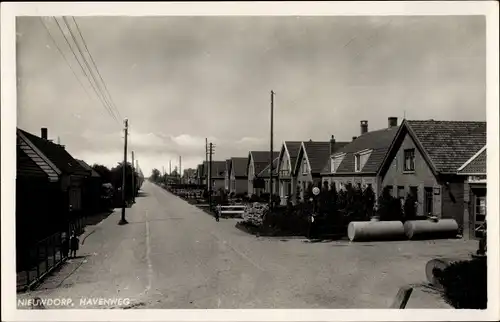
(368, 201)
(155, 175)
(103, 172)
(389, 207)
(117, 179)
(410, 211)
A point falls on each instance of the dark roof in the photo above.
(89, 168)
(57, 155)
(293, 148)
(336, 148)
(240, 166)
(317, 153)
(449, 144)
(265, 173)
(261, 160)
(26, 167)
(378, 141)
(218, 168)
(476, 165)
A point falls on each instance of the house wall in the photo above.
(227, 181)
(284, 179)
(251, 176)
(453, 197)
(470, 192)
(421, 178)
(274, 188)
(217, 184)
(238, 185)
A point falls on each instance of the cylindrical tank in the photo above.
(375, 230)
(427, 229)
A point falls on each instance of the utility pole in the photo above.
(206, 159)
(271, 154)
(123, 221)
(170, 167)
(133, 179)
(180, 169)
(210, 153)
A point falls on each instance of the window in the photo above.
(414, 192)
(428, 201)
(409, 160)
(357, 162)
(304, 166)
(479, 215)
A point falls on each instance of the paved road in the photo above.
(173, 255)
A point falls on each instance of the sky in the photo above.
(180, 80)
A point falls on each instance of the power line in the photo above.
(84, 72)
(88, 66)
(63, 56)
(95, 65)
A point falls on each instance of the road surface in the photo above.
(172, 255)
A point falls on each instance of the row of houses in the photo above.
(441, 163)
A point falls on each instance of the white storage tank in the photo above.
(431, 229)
(375, 230)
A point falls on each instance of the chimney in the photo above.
(44, 133)
(332, 144)
(392, 121)
(364, 127)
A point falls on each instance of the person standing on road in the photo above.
(64, 245)
(74, 244)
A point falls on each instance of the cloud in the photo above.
(181, 79)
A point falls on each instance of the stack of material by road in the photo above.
(429, 229)
(254, 213)
(375, 230)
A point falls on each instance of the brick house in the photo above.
(424, 160)
(359, 161)
(286, 163)
(474, 172)
(238, 176)
(264, 174)
(310, 161)
(91, 192)
(257, 161)
(217, 176)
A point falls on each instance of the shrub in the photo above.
(368, 201)
(465, 284)
(389, 207)
(410, 211)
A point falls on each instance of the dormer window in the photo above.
(335, 161)
(360, 159)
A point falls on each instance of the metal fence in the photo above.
(44, 256)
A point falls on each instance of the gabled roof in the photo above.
(265, 173)
(57, 155)
(260, 159)
(293, 148)
(378, 142)
(239, 166)
(218, 169)
(26, 167)
(27, 148)
(449, 144)
(89, 168)
(476, 164)
(317, 153)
